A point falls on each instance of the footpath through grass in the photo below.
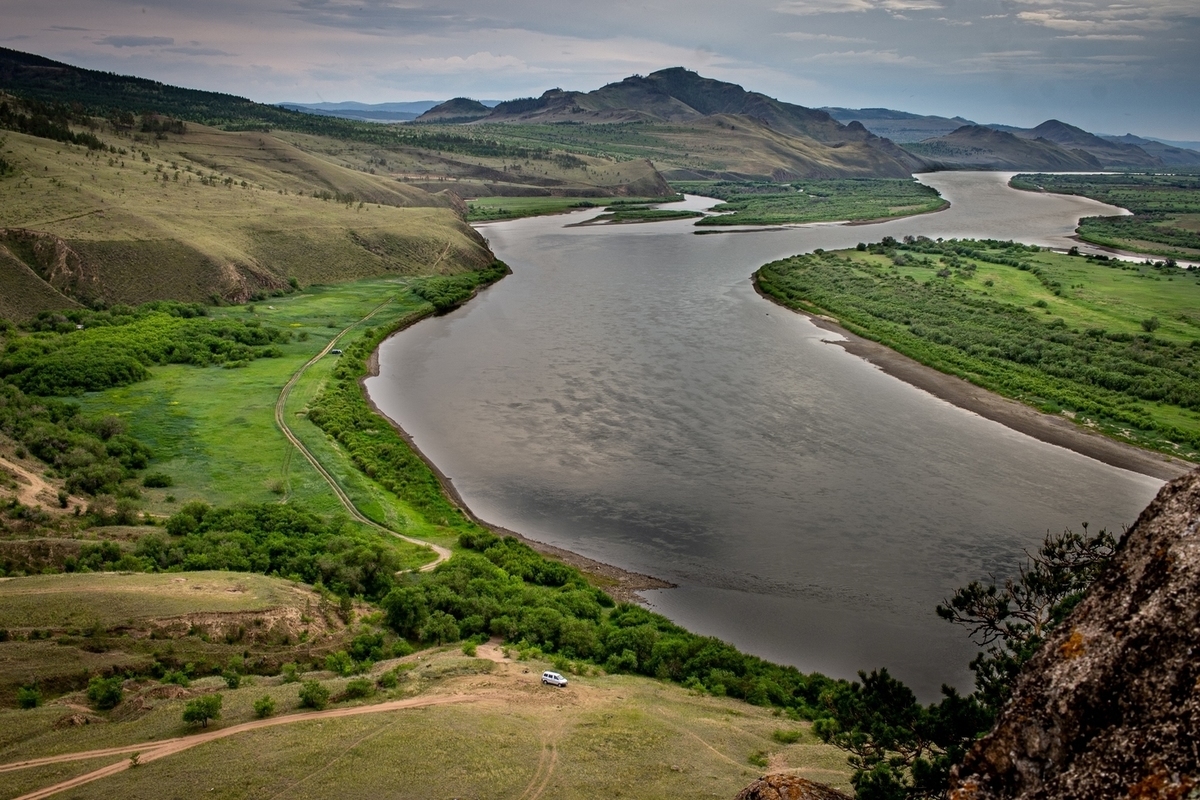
(213, 433)
(1112, 345)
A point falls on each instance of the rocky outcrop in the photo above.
(1110, 706)
(789, 787)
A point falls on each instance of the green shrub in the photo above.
(291, 673)
(784, 736)
(388, 680)
(202, 709)
(264, 706)
(359, 687)
(313, 695)
(339, 663)
(232, 679)
(28, 697)
(177, 677)
(157, 480)
(105, 693)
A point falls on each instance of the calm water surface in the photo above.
(625, 394)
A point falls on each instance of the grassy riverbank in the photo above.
(492, 209)
(1112, 346)
(1166, 210)
(213, 440)
(854, 200)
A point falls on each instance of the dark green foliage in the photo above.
(105, 693)
(177, 677)
(450, 292)
(898, 747)
(116, 347)
(275, 540)
(94, 455)
(232, 679)
(359, 687)
(264, 706)
(202, 709)
(157, 480)
(1012, 620)
(374, 446)
(504, 588)
(45, 121)
(313, 695)
(28, 697)
(996, 345)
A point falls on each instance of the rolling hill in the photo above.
(1107, 152)
(207, 215)
(979, 147)
(689, 114)
(899, 126)
(1169, 155)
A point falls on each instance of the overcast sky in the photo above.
(1110, 67)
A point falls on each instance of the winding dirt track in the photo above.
(152, 751)
(442, 553)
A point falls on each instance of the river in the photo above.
(626, 394)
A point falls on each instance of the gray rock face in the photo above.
(1110, 706)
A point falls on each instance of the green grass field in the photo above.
(603, 736)
(1111, 344)
(110, 599)
(213, 430)
(814, 201)
(490, 209)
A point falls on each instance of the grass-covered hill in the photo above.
(206, 215)
(471, 163)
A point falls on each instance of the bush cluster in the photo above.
(116, 347)
(1000, 346)
(274, 539)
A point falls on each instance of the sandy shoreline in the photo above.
(1049, 428)
(621, 584)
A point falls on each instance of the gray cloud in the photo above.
(136, 41)
(989, 60)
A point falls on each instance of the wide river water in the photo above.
(626, 394)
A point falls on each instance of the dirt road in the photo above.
(152, 751)
(442, 553)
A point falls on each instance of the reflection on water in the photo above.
(626, 394)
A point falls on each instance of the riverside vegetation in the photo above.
(1113, 345)
(492, 587)
(855, 199)
(1166, 209)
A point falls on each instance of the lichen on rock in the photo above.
(1110, 705)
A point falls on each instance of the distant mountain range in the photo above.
(899, 126)
(371, 112)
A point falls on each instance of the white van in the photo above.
(553, 679)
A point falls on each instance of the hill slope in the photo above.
(207, 214)
(1108, 153)
(426, 155)
(899, 126)
(694, 114)
(978, 147)
(1170, 156)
